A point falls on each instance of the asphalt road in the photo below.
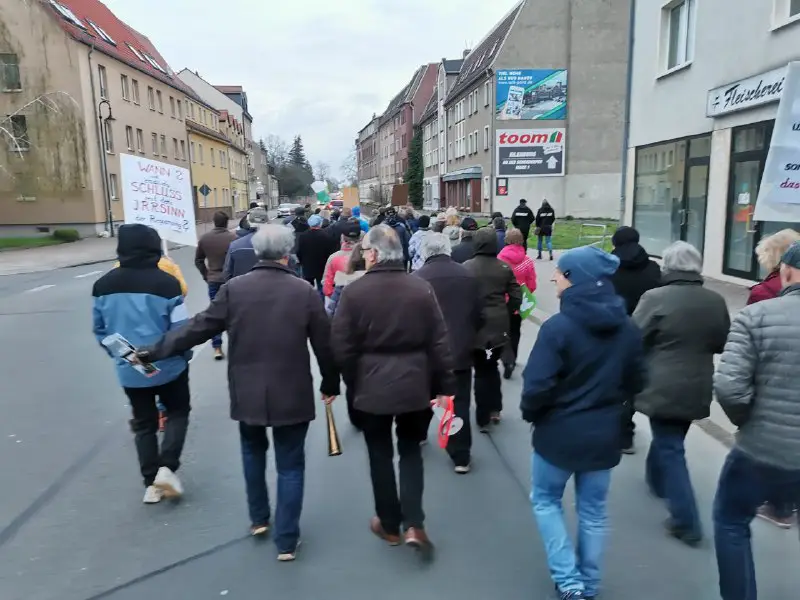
(72, 525)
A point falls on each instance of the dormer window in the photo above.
(136, 52)
(67, 14)
(101, 32)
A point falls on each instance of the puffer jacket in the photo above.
(756, 381)
(524, 269)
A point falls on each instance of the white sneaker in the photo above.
(168, 483)
(462, 469)
(152, 495)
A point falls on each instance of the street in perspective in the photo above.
(518, 322)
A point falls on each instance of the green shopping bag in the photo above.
(528, 302)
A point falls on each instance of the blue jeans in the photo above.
(744, 485)
(571, 571)
(668, 477)
(290, 460)
(548, 239)
(213, 288)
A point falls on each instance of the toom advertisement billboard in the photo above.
(531, 94)
(530, 152)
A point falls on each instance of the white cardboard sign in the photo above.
(158, 195)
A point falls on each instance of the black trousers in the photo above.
(511, 350)
(176, 399)
(403, 510)
(628, 426)
(459, 445)
(488, 394)
(350, 397)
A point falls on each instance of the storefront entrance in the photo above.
(748, 157)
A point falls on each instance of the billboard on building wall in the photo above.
(530, 152)
(531, 94)
(158, 195)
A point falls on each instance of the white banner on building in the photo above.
(779, 194)
(530, 152)
(158, 195)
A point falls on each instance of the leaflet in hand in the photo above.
(119, 346)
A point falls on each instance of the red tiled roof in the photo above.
(128, 41)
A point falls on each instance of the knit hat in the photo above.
(315, 221)
(625, 235)
(424, 222)
(469, 224)
(587, 264)
(351, 231)
(791, 258)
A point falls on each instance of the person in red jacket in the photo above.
(515, 256)
(769, 252)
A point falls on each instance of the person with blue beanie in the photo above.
(363, 223)
(586, 360)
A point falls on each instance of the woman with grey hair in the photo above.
(683, 325)
(266, 309)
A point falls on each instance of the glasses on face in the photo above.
(365, 249)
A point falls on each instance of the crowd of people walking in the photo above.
(407, 311)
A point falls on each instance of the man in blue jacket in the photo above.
(140, 302)
(241, 257)
(363, 223)
(586, 360)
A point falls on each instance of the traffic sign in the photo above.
(205, 190)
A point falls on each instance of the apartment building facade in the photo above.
(368, 160)
(80, 88)
(703, 108)
(429, 126)
(509, 134)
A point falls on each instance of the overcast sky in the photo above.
(319, 68)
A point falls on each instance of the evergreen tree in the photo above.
(416, 171)
(297, 155)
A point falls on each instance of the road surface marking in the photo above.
(39, 289)
(87, 274)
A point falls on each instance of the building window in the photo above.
(129, 137)
(126, 92)
(135, 90)
(183, 150)
(155, 144)
(679, 28)
(19, 132)
(213, 158)
(101, 32)
(191, 110)
(794, 8)
(172, 107)
(113, 187)
(222, 162)
(404, 140)
(486, 94)
(9, 63)
(175, 148)
(164, 146)
(192, 152)
(200, 152)
(109, 137)
(180, 111)
(102, 76)
(486, 138)
(140, 141)
(151, 98)
(160, 102)
(216, 200)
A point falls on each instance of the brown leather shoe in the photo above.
(418, 539)
(376, 527)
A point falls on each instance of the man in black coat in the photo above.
(636, 275)
(522, 218)
(545, 219)
(465, 250)
(313, 249)
(458, 294)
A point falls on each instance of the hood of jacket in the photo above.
(631, 256)
(595, 306)
(343, 279)
(485, 241)
(138, 246)
(513, 255)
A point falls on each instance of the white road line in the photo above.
(39, 289)
(87, 274)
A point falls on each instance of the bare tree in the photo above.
(277, 150)
(322, 171)
(350, 167)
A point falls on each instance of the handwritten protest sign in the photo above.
(159, 195)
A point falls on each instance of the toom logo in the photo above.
(531, 138)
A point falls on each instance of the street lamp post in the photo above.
(104, 121)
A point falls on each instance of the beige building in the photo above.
(79, 88)
(237, 161)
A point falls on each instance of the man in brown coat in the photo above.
(210, 261)
(398, 358)
(270, 316)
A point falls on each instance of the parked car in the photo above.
(335, 205)
(287, 209)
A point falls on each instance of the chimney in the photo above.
(466, 52)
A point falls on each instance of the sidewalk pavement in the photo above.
(88, 251)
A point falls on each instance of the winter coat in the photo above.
(241, 257)
(270, 316)
(756, 381)
(683, 325)
(313, 249)
(545, 218)
(465, 250)
(340, 281)
(524, 269)
(636, 274)
(501, 239)
(168, 265)
(403, 232)
(212, 249)
(141, 302)
(397, 357)
(497, 282)
(522, 218)
(767, 289)
(336, 262)
(459, 295)
(414, 248)
(586, 360)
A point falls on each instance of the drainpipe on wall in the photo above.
(103, 170)
(626, 127)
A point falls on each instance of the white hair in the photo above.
(682, 256)
(273, 242)
(434, 244)
(385, 242)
